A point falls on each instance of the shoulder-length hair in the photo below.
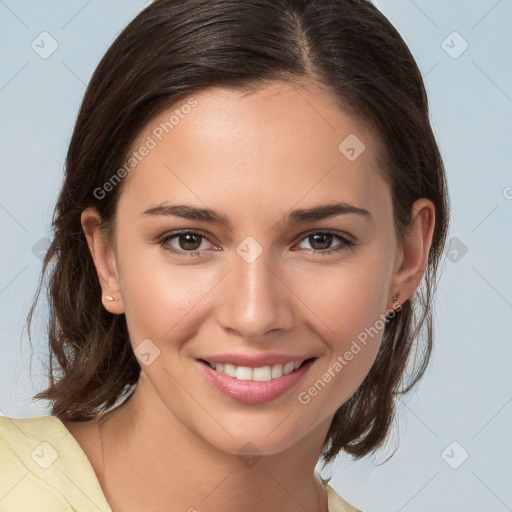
(174, 48)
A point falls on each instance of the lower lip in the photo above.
(251, 391)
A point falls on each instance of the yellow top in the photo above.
(44, 469)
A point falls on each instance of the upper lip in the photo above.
(254, 361)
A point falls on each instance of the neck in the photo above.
(151, 461)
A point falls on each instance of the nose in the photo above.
(255, 300)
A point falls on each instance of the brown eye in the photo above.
(321, 241)
(189, 241)
(185, 243)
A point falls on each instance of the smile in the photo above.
(255, 385)
(261, 374)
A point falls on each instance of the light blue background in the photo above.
(467, 393)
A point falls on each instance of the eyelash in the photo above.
(345, 243)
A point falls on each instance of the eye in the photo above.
(186, 243)
(321, 242)
(194, 243)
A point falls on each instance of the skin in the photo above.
(252, 158)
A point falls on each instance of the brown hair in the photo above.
(175, 48)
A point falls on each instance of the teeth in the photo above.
(277, 371)
(243, 373)
(287, 368)
(229, 369)
(260, 374)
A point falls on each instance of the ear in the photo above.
(104, 258)
(412, 257)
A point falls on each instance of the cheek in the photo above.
(159, 296)
(346, 300)
(350, 313)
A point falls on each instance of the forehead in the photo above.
(281, 140)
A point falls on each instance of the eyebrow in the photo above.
(294, 217)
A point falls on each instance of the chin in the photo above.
(250, 445)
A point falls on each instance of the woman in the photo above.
(253, 197)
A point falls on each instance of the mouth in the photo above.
(255, 385)
(259, 374)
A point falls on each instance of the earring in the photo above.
(395, 298)
(109, 298)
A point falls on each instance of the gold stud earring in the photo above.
(397, 296)
(109, 298)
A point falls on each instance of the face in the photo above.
(256, 234)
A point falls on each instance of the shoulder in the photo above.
(12, 428)
(336, 502)
(43, 468)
